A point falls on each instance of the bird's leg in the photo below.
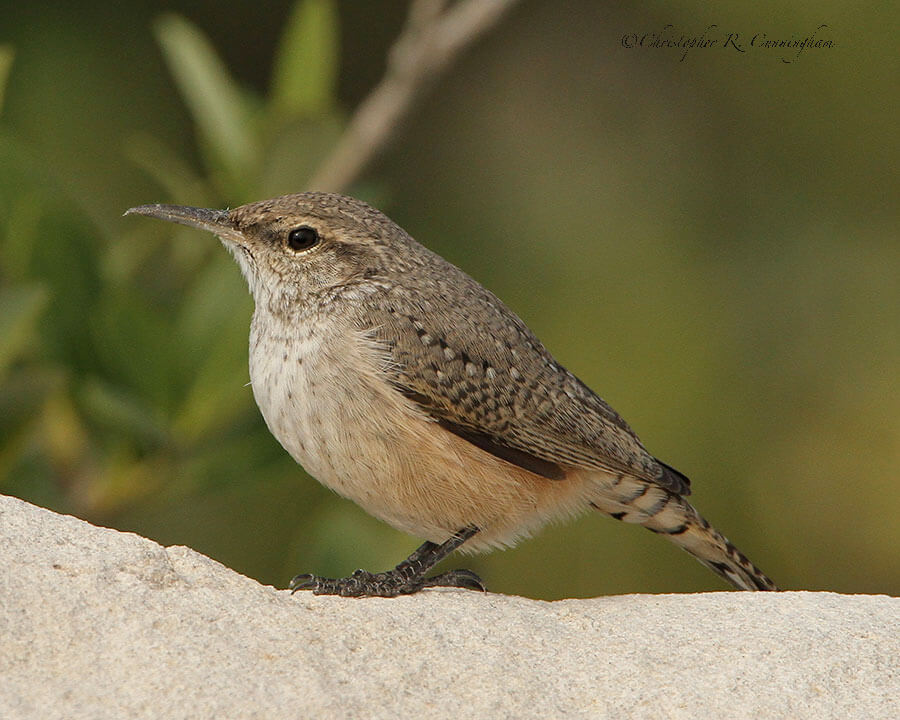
(405, 579)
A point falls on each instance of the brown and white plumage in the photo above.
(400, 382)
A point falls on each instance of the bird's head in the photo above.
(296, 247)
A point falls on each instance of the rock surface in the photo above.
(101, 624)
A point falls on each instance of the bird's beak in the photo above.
(215, 221)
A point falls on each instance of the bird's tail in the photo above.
(671, 515)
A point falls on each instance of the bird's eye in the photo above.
(302, 238)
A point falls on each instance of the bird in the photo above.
(400, 382)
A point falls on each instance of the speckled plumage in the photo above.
(400, 382)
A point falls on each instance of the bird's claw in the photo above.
(457, 578)
(387, 584)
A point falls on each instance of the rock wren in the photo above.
(402, 384)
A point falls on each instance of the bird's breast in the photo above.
(325, 394)
(297, 377)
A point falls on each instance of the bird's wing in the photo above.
(478, 371)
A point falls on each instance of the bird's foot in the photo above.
(405, 579)
(384, 584)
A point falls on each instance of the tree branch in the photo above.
(432, 37)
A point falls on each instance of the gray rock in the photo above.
(97, 623)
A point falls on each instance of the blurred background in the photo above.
(711, 244)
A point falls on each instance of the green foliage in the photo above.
(720, 266)
(222, 111)
(20, 308)
(6, 59)
(122, 369)
(252, 146)
(307, 63)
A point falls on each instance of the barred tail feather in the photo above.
(714, 550)
(671, 515)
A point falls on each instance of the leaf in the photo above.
(123, 260)
(294, 153)
(122, 412)
(307, 62)
(22, 398)
(21, 234)
(217, 104)
(124, 480)
(212, 332)
(20, 308)
(216, 299)
(219, 392)
(134, 347)
(171, 172)
(6, 59)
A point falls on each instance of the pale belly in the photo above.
(306, 394)
(327, 401)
